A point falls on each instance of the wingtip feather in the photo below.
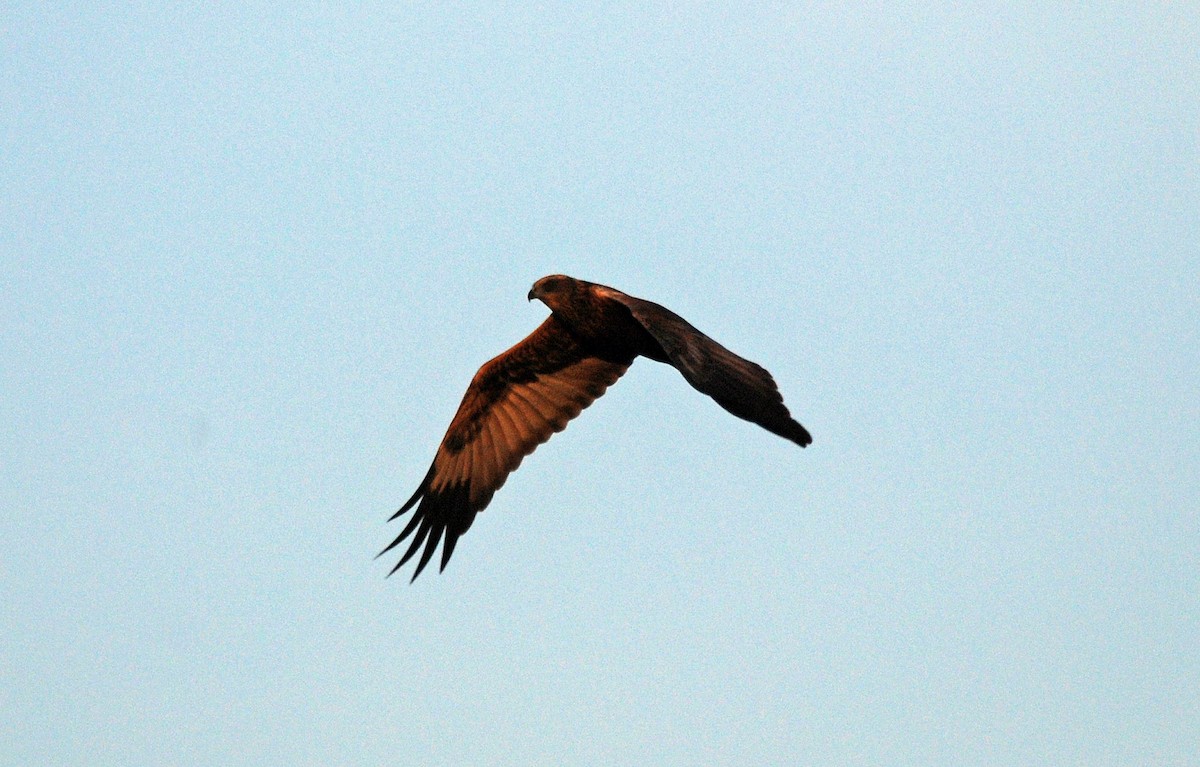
(802, 438)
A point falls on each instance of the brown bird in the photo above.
(517, 400)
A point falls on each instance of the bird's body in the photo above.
(518, 399)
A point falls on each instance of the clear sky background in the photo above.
(251, 255)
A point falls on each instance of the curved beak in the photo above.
(532, 294)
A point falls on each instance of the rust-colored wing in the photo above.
(514, 403)
(740, 386)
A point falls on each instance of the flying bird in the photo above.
(517, 400)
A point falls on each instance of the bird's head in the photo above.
(553, 290)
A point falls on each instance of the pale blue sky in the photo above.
(252, 255)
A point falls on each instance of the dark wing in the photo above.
(514, 403)
(740, 386)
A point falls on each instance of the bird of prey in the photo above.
(517, 400)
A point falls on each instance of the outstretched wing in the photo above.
(740, 386)
(514, 403)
